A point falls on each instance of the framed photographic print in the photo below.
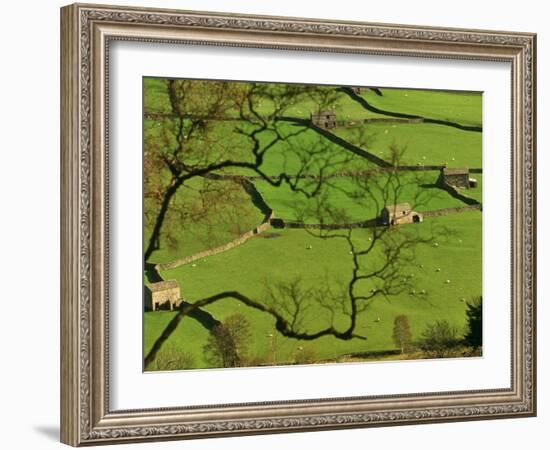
(276, 224)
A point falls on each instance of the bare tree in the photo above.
(189, 142)
(227, 344)
(440, 339)
(191, 150)
(379, 268)
(402, 332)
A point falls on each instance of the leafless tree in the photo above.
(380, 256)
(440, 339)
(227, 343)
(402, 332)
(187, 143)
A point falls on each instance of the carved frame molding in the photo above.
(86, 31)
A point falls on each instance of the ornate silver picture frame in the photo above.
(87, 416)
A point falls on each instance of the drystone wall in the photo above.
(220, 249)
(447, 211)
(283, 223)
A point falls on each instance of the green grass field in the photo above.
(222, 224)
(288, 204)
(459, 107)
(157, 100)
(424, 144)
(281, 255)
(476, 193)
(250, 267)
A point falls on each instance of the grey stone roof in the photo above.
(163, 285)
(397, 208)
(323, 114)
(455, 171)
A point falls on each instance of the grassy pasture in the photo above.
(249, 267)
(220, 225)
(288, 204)
(477, 192)
(302, 154)
(345, 108)
(189, 330)
(424, 144)
(156, 100)
(452, 106)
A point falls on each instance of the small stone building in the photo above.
(324, 119)
(399, 214)
(459, 178)
(162, 295)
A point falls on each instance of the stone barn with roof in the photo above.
(162, 295)
(399, 214)
(324, 119)
(459, 178)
